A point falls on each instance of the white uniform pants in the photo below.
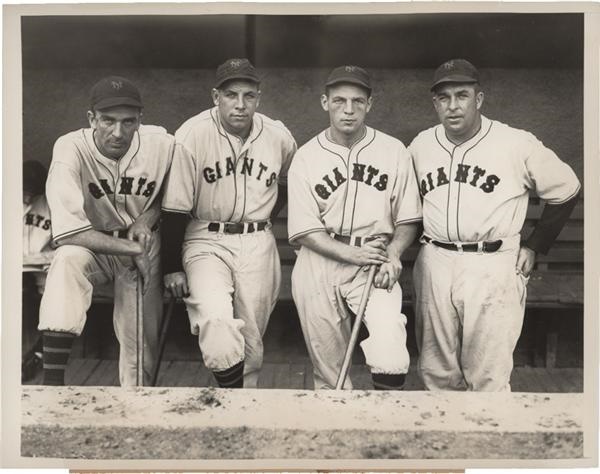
(71, 279)
(323, 290)
(234, 282)
(469, 315)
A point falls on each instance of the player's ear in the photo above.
(91, 116)
(258, 98)
(479, 99)
(369, 103)
(215, 96)
(324, 103)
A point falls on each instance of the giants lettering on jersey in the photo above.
(128, 186)
(473, 175)
(211, 175)
(360, 173)
(37, 221)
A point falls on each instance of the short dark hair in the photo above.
(366, 89)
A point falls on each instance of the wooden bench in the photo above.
(556, 282)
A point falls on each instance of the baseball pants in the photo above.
(234, 282)
(323, 290)
(71, 279)
(469, 315)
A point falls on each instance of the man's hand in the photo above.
(176, 283)
(142, 262)
(525, 261)
(141, 232)
(388, 274)
(371, 253)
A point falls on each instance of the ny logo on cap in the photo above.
(236, 63)
(449, 65)
(350, 68)
(116, 84)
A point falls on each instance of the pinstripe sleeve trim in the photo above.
(409, 221)
(567, 199)
(306, 232)
(71, 232)
(178, 211)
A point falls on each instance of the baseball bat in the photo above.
(139, 333)
(163, 339)
(355, 329)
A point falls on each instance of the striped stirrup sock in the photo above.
(56, 351)
(388, 381)
(233, 377)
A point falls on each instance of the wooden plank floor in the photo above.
(298, 375)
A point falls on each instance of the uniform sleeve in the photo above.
(552, 179)
(65, 196)
(406, 200)
(289, 150)
(303, 209)
(179, 190)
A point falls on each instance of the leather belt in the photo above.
(352, 239)
(237, 227)
(485, 247)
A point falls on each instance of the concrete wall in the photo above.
(547, 102)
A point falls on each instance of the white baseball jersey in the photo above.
(349, 191)
(478, 190)
(364, 190)
(87, 190)
(37, 229)
(223, 178)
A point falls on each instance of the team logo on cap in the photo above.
(235, 62)
(116, 85)
(350, 68)
(449, 65)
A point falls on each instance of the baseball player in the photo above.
(353, 202)
(37, 236)
(475, 175)
(103, 190)
(222, 196)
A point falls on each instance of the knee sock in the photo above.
(388, 381)
(56, 351)
(232, 377)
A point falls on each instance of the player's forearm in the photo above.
(101, 243)
(323, 244)
(404, 236)
(553, 219)
(151, 215)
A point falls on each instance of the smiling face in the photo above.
(348, 106)
(114, 129)
(458, 108)
(237, 101)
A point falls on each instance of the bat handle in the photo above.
(355, 329)
(139, 332)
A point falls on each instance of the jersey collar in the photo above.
(88, 133)
(442, 139)
(341, 150)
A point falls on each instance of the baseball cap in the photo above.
(349, 74)
(114, 90)
(236, 68)
(455, 70)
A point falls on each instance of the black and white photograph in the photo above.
(319, 237)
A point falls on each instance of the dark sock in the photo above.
(232, 377)
(56, 351)
(388, 381)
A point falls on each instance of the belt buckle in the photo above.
(480, 247)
